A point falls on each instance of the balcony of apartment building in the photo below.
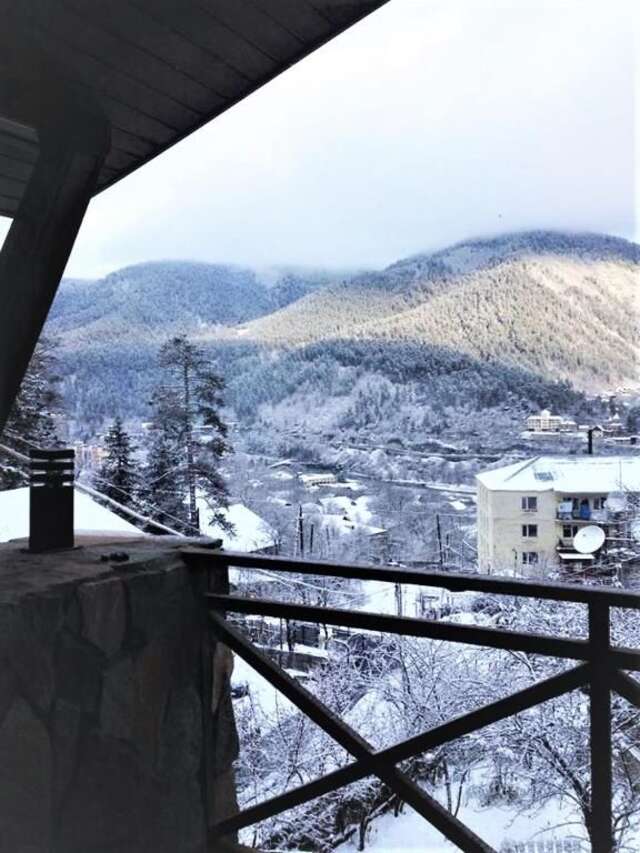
(116, 721)
(583, 509)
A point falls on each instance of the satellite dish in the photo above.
(589, 539)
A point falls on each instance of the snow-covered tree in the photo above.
(190, 431)
(32, 421)
(160, 496)
(117, 477)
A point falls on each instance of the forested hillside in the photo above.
(562, 306)
(148, 300)
(509, 324)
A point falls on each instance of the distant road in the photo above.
(455, 488)
(447, 451)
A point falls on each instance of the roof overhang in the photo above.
(155, 69)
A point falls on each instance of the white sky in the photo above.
(429, 122)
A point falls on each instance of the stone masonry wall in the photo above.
(116, 727)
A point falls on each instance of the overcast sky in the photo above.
(427, 123)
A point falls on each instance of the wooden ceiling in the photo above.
(157, 69)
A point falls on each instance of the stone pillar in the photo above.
(109, 741)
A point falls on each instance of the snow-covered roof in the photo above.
(342, 525)
(251, 533)
(566, 474)
(89, 516)
(356, 509)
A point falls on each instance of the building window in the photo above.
(599, 503)
(529, 558)
(569, 531)
(530, 504)
(529, 531)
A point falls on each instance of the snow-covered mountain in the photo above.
(149, 300)
(561, 305)
(482, 323)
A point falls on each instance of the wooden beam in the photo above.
(601, 827)
(627, 687)
(492, 638)
(454, 582)
(72, 148)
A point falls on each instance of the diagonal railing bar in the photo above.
(627, 687)
(540, 644)
(603, 673)
(581, 594)
(401, 784)
(460, 726)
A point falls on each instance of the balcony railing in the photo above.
(600, 670)
(587, 515)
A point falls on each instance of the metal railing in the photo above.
(600, 671)
(587, 516)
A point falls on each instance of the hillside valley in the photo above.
(446, 343)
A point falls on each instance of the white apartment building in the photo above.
(529, 512)
(546, 422)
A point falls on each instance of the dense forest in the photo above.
(144, 301)
(564, 308)
(516, 323)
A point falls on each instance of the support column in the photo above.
(600, 712)
(42, 234)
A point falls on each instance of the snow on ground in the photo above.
(298, 648)
(270, 700)
(352, 485)
(89, 516)
(378, 597)
(356, 509)
(458, 505)
(282, 475)
(277, 501)
(496, 825)
(381, 597)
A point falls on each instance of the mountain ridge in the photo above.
(561, 304)
(518, 321)
(152, 297)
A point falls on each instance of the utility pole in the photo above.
(398, 591)
(300, 531)
(590, 433)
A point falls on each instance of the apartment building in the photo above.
(529, 512)
(546, 422)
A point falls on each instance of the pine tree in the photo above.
(161, 495)
(185, 405)
(117, 478)
(32, 418)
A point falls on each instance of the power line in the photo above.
(149, 505)
(21, 457)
